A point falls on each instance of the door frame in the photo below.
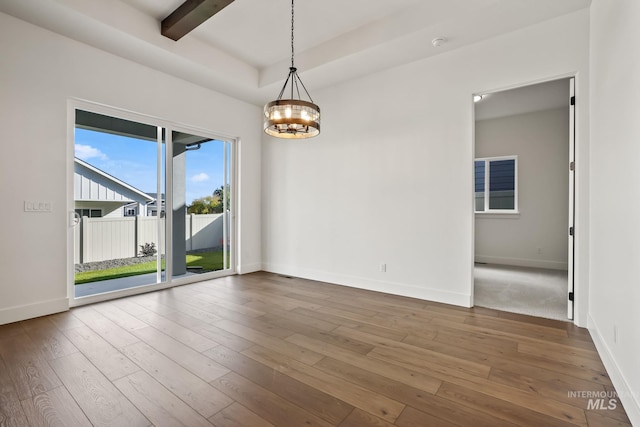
(572, 181)
(74, 104)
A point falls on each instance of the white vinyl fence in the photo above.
(99, 239)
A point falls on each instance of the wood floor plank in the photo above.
(119, 316)
(187, 320)
(128, 306)
(600, 419)
(11, 412)
(360, 418)
(26, 366)
(377, 383)
(546, 383)
(193, 390)
(112, 363)
(292, 350)
(445, 363)
(224, 338)
(397, 373)
(521, 328)
(243, 309)
(48, 338)
(54, 408)
(475, 341)
(11, 330)
(284, 303)
(99, 399)
(206, 316)
(339, 340)
(266, 404)
(389, 333)
(501, 409)
(153, 302)
(353, 394)
(260, 325)
(158, 404)
(575, 356)
(458, 413)
(476, 329)
(197, 363)
(314, 401)
(236, 415)
(107, 329)
(299, 316)
(531, 400)
(65, 320)
(411, 417)
(178, 332)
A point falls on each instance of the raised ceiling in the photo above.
(244, 50)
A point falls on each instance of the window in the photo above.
(496, 184)
(91, 213)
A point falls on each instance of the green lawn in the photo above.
(209, 261)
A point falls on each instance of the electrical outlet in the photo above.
(383, 268)
(539, 251)
(615, 334)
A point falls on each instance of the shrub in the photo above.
(148, 249)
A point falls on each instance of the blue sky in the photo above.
(134, 161)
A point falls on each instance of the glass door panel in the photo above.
(201, 205)
(118, 194)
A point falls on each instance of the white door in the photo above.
(572, 167)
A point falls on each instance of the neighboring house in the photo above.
(152, 207)
(98, 194)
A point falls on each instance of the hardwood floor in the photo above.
(264, 350)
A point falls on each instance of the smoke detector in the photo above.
(438, 41)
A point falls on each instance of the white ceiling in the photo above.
(527, 99)
(244, 50)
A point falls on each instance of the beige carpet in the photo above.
(533, 291)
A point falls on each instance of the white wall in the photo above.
(389, 180)
(537, 236)
(615, 185)
(39, 72)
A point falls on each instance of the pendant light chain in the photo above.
(292, 20)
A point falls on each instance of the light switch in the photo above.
(37, 206)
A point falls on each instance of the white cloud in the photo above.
(201, 177)
(85, 152)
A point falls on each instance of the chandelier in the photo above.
(293, 117)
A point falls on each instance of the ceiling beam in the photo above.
(189, 15)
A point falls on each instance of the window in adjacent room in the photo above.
(496, 184)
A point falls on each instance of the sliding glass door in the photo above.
(201, 204)
(152, 204)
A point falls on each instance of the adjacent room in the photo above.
(336, 213)
(524, 197)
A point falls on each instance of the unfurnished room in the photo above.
(281, 213)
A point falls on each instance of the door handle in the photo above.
(74, 219)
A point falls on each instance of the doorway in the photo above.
(523, 187)
(153, 204)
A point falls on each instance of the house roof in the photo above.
(126, 192)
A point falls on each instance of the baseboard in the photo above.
(401, 289)
(29, 311)
(249, 268)
(522, 262)
(625, 394)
